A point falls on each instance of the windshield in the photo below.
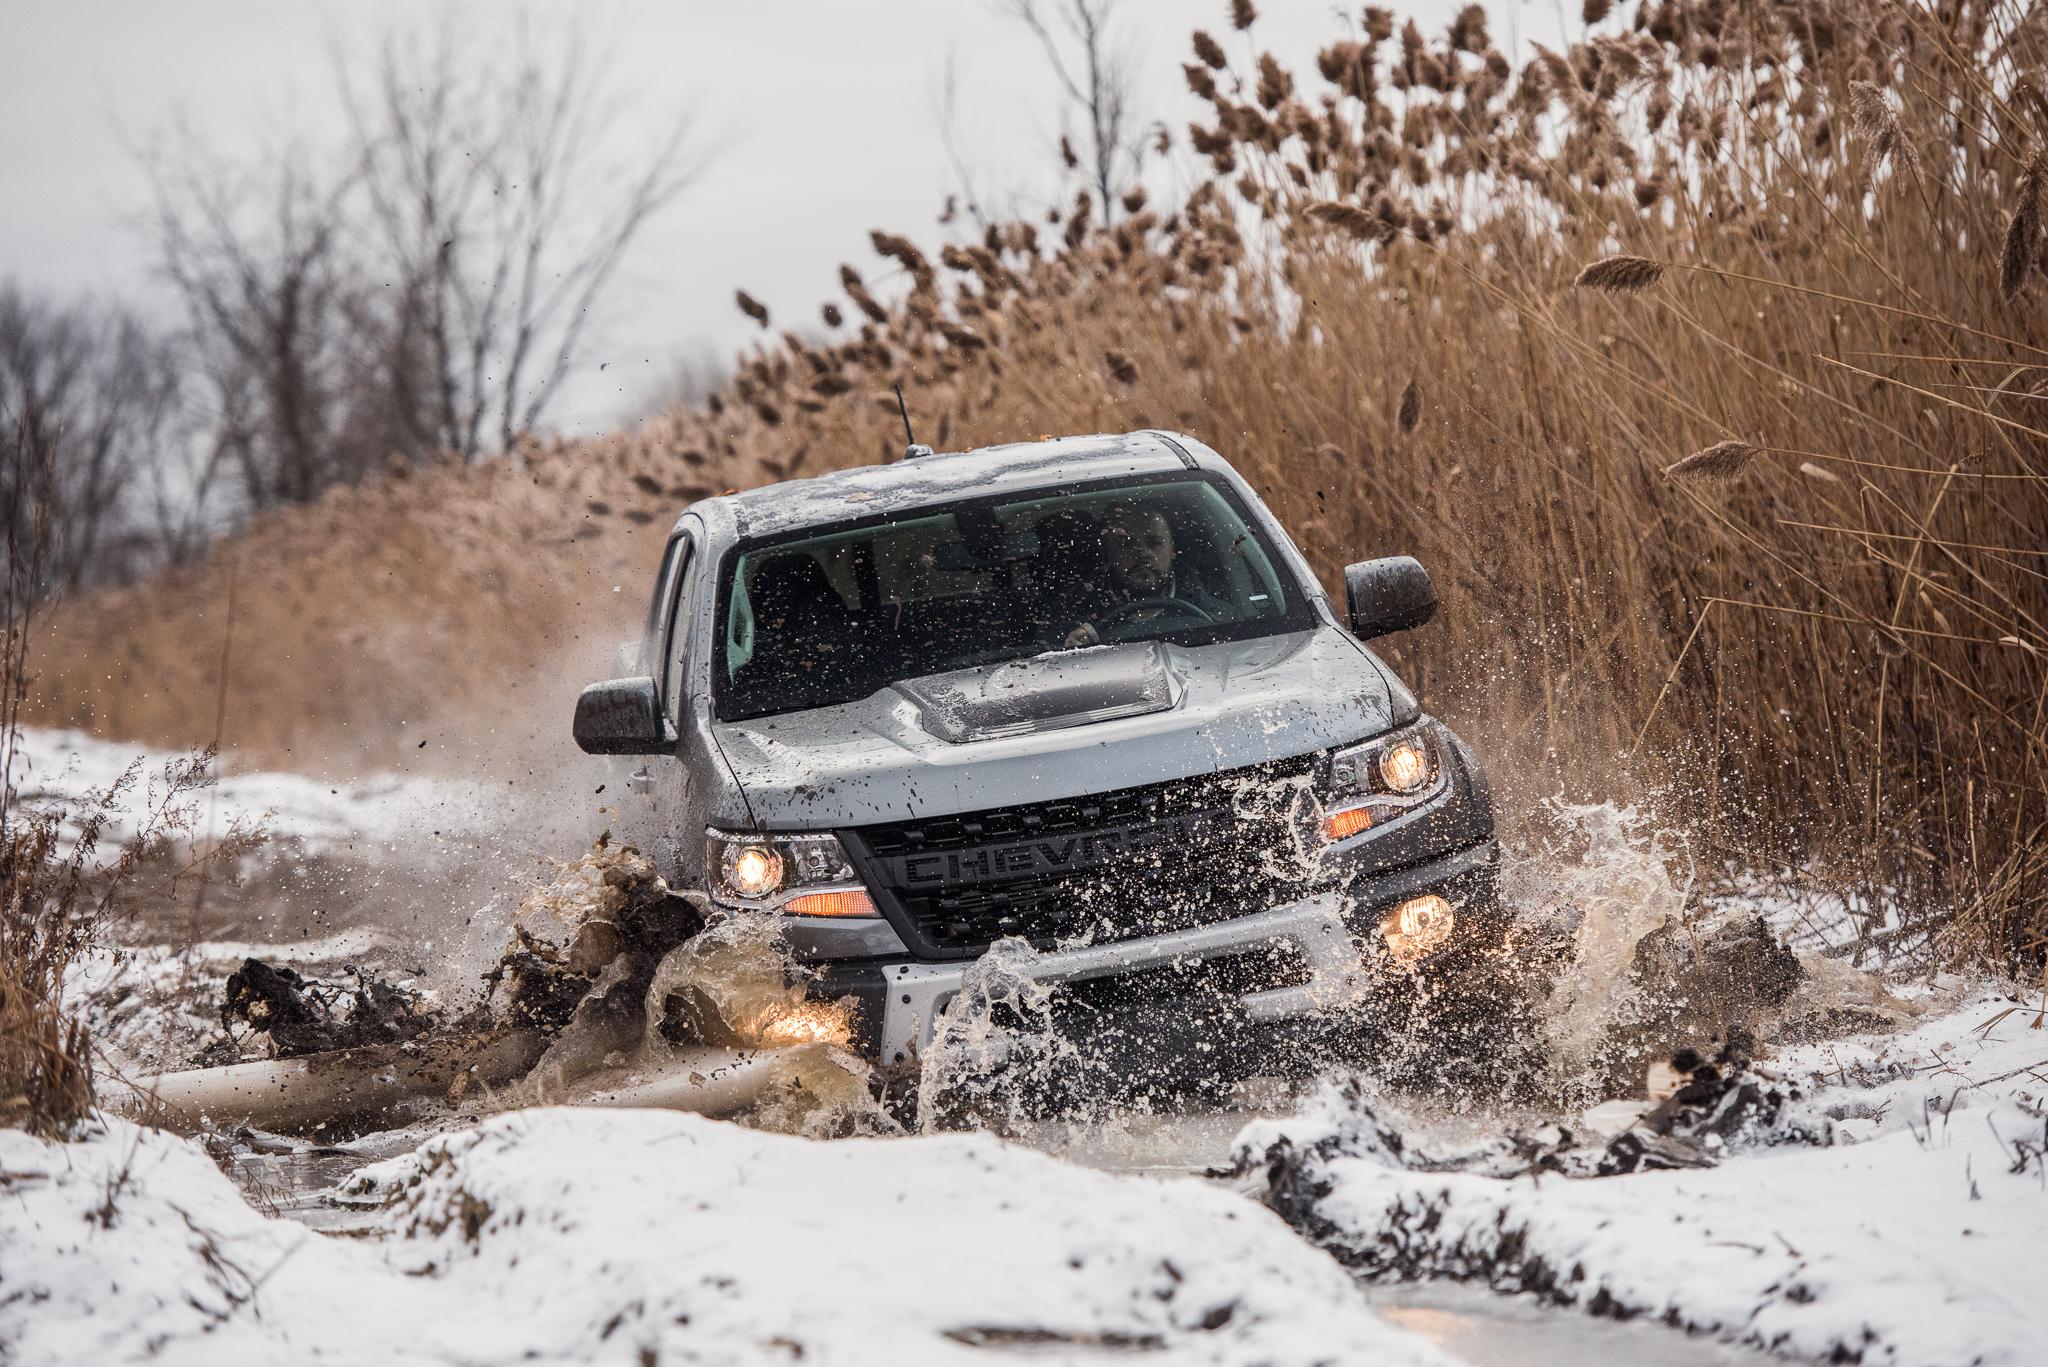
(832, 615)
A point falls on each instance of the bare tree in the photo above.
(274, 298)
(427, 292)
(945, 108)
(97, 396)
(1097, 72)
(499, 217)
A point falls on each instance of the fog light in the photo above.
(752, 870)
(808, 1022)
(1417, 926)
(856, 903)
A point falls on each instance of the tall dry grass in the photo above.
(57, 893)
(420, 608)
(1746, 524)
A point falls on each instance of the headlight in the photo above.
(1405, 766)
(807, 875)
(751, 870)
(1381, 779)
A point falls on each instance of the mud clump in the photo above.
(1722, 1107)
(1718, 985)
(585, 996)
(1725, 1107)
(622, 917)
(589, 995)
(539, 989)
(300, 1016)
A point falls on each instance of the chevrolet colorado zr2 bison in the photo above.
(1081, 693)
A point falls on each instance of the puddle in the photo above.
(1488, 1330)
(1143, 1145)
(300, 1182)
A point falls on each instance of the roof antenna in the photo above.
(913, 449)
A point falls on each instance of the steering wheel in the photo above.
(1171, 606)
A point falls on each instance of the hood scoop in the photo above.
(1044, 693)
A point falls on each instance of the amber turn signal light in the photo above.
(832, 904)
(1339, 825)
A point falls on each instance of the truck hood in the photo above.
(1059, 726)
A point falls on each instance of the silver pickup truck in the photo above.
(1084, 693)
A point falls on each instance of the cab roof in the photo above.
(922, 480)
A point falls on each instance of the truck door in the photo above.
(668, 784)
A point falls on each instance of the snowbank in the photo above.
(321, 817)
(639, 1236)
(1920, 1236)
(131, 1244)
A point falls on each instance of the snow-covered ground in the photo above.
(1918, 1236)
(640, 1237)
(321, 816)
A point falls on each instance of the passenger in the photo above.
(1140, 565)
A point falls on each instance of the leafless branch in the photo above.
(1098, 75)
(495, 204)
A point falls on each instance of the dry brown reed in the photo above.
(431, 610)
(1722, 460)
(2023, 234)
(1620, 274)
(1842, 672)
(1872, 118)
(1409, 412)
(56, 894)
(1350, 217)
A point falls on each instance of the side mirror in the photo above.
(1389, 594)
(621, 717)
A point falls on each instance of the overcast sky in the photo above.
(823, 111)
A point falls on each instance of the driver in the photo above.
(1138, 567)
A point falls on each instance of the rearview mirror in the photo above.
(1389, 594)
(621, 717)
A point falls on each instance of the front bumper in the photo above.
(1333, 932)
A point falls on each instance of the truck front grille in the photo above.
(1114, 866)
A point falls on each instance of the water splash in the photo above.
(1555, 1020)
(737, 984)
(995, 1052)
(1619, 890)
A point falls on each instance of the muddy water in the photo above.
(1590, 889)
(292, 1181)
(1487, 1330)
